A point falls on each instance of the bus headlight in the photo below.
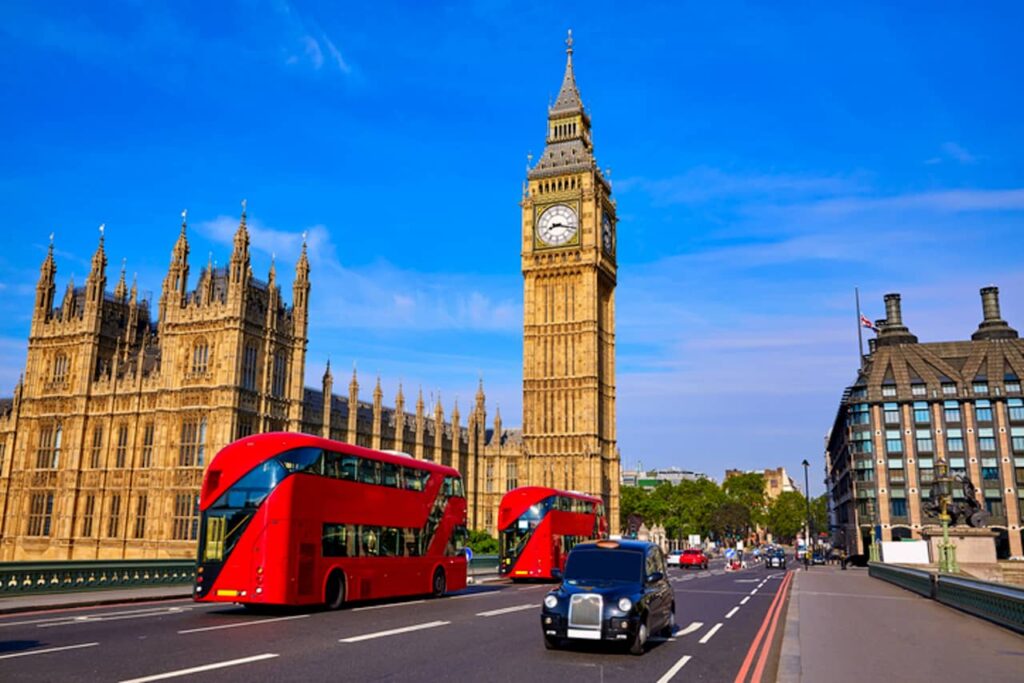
(551, 602)
(625, 604)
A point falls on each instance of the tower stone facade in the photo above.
(569, 244)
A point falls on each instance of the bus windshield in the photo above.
(515, 536)
(587, 566)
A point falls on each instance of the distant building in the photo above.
(915, 405)
(649, 479)
(775, 481)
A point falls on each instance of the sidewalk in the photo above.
(848, 627)
(45, 601)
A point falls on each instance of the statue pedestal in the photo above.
(973, 546)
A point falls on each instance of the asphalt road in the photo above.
(489, 632)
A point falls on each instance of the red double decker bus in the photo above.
(293, 519)
(538, 526)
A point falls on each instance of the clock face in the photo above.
(606, 232)
(557, 225)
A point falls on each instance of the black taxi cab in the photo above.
(611, 590)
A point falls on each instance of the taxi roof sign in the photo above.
(607, 544)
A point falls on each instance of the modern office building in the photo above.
(915, 404)
(649, 479)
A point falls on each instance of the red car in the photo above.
(693, 557)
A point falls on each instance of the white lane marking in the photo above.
(506, 610)
(533, 588)
(236, 624)
(744, 600)
(96, 619)
(692, 628)
(744, 580)
(709, 634)
(197, 669)
(98, 615)
(391, 604)
(733, 611)
(394, 631)
(753, 592)
(473, 595)
(675, 669)
(49, 649)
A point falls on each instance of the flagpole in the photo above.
(860, 334)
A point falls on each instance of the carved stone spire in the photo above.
(239, 265)
(46, 287)
(97, 280)
(121, 289)
(568, 100)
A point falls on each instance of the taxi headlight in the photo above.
(550, 601)
(625, 604)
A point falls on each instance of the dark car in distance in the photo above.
(775, 559)
(611, 591)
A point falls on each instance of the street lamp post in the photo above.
(947, 550)
(807, 497)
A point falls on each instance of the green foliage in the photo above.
(482, 543)
(683, 509)
(731, 520)
(787, 515)
(819, 514)
(748, 490)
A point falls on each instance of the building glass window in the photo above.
(951, 411)
(121, 454)
(859, 392)
(249, 365)
(860, 414)
(954, 440)
(193, 440)
(60, 368)
(893, 441)
(186, 517)
(980, 388)
(280, 371)
(899, 507)
(97, 446)
(921, 413)
(1017, 439)
(1012, 387)
(88, 513)
(990, 469)
(888, 390)
(892, 413)
(48, 453)
(986, 439)
(983, 410)
(1016, 406)
(994, 505)
(40, 513)
(948, 389)
(3, 450)
(918, 390)
(958, 466)
(924, 441)
(140, 517)
(147, 445)
(200, 357)
(512, 481)
(862, 442)
(114, 521)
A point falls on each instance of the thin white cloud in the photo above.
(313, 52)
(958, 153)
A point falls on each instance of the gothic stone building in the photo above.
(915, 404)
(104, 443)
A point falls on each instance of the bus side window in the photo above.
(413, 479)
(370, 537)
(369, 471)
(411, 540)
(338, 540)
(332, 465)
(457, 489)
(349, 465)
(391, 542)
(391, 474)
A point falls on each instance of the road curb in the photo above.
(789, 659)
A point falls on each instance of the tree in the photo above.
(482, 543)
(748, 490)
(787, 515)
(819, 514)
(731, 520)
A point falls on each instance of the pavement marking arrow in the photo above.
(692, 628)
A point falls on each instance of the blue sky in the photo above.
(766, 158)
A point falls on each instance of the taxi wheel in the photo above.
(552, 643)
(640, 639)
(670, 627)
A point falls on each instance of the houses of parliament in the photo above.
(120, 408)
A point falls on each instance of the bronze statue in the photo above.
(969, 509)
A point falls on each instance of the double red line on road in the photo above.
(763, 639)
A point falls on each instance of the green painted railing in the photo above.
(483, 565)
(993, 601)
(22, 578)
(920, 581)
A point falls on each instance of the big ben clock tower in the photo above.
(569, 272)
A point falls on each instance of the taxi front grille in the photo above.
(585, 611)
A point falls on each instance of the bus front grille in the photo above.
(585, 611)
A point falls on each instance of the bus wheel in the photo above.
(334, 595)
(439, 584)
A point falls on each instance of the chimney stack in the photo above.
(893, 331)
(993, 326)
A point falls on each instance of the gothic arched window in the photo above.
(200, 357)
(60, 368)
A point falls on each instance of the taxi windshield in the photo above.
(585, 566)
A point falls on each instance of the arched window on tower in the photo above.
(249, 366)
(60, 368)
(280, 373)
